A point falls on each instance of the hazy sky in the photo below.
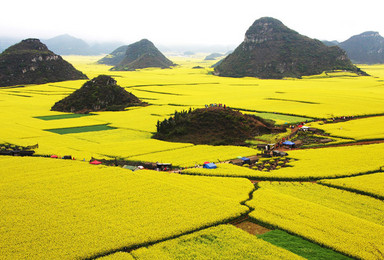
(175, 22)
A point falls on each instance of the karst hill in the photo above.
(365, 48)
(31, 62)
(114, 57)
(142, 54)
(99, 94)
(271, 50)
(214, 126)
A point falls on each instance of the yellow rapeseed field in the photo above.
(332, 162)
(371, 184)
(169, 90)
(226, 170)
(332, 228)
(196, 155)
(55, 209)
(361, 206)
(370, 128)
(221, 242)
(311, 164)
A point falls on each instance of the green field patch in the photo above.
(64, 116)
(278, 118)
(291, 100)
(80, 129)
(300, 246)
(286, 118)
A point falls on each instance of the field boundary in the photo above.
(134, 247)
(273, 227)
(357, 191)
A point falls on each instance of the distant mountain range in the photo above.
(331, 43)
(213, 56)
(367, 47)
(68, 45)
(6, 42)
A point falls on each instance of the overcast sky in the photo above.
(175, 22)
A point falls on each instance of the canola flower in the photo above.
(220, 242)
(196, 155)
(370, 128)
(226, 170)
(332, 228)
(67, 197)
(357, 205)
(333, 162)
(55, 209)
(169, 90)
(310, 164)
(370, 184)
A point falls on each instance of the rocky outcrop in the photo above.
(143, 54)
(365, 48)
(271, 50)
(99, 94)
(31, 62)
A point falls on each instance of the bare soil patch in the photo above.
(252, 228)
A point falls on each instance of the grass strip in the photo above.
(64, 116)
(300, 246)
(80, 129)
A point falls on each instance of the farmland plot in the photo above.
(370, 184)
(54, 209)
(343, 232)
(370, 128)
(311, 164)
(221, 242)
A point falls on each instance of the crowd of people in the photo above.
(216, 105)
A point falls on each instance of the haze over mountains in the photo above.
(68, 45)
(366, 48)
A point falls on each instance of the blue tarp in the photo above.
(245, 159)
(288, 143)
(210, 166)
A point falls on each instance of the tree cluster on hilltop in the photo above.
(212, 125)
